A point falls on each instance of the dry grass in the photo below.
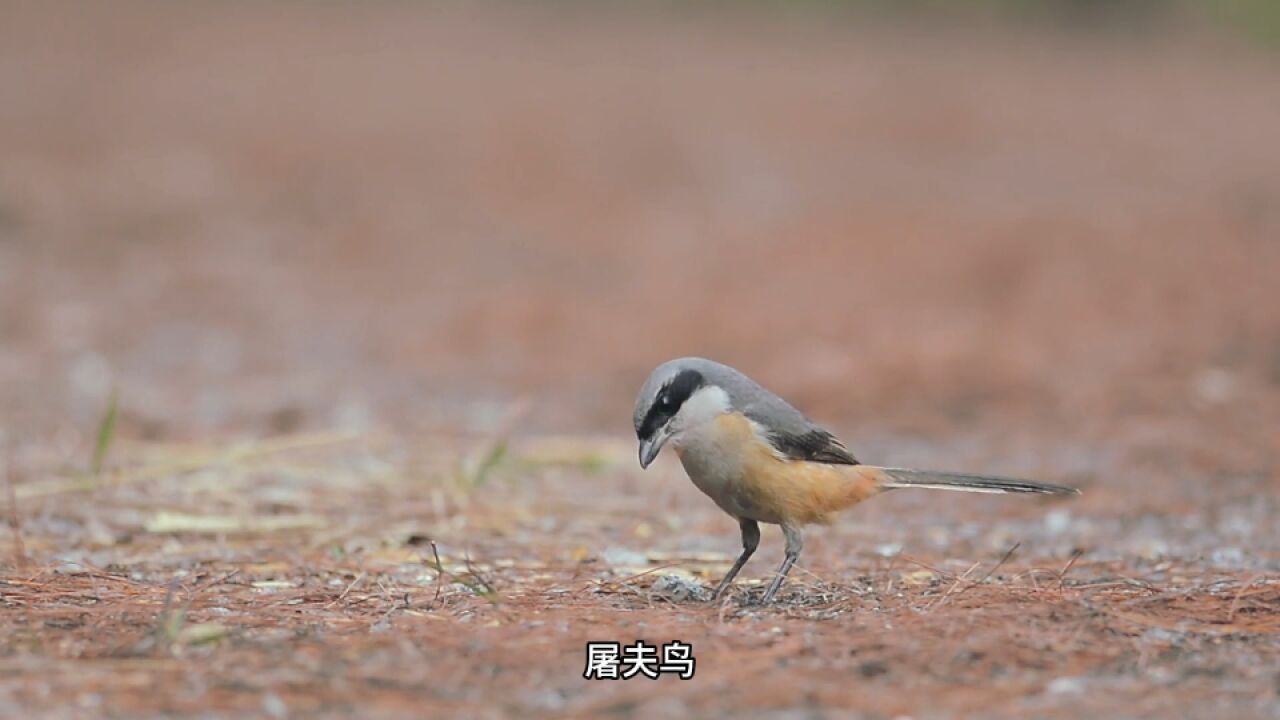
(382, 606)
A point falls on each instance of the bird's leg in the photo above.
(795, 544)
(750, 540)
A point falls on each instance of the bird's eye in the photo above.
(666, 401)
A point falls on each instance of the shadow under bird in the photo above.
(763, 461)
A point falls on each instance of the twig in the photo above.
(490, 593)
(1235, 602)
(623, 582)
(990, 572)
(395, 605)
(1062, 576)
(926, 566)
(955, 584)
(1003, 560)
(213, 582)
(888, 588)
(435, 553)
(343, 594)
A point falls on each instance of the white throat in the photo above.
(704, 405)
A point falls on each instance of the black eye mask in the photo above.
(669, 401)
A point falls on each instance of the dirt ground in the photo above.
(373, 287)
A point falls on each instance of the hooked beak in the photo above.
(652, 445)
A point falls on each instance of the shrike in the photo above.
(761, 460)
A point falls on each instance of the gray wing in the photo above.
(794, 435)
(788, 430)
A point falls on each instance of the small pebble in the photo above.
(1066, 686)
(679, 589)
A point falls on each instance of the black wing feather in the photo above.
(814, 446)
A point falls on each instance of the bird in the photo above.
(763, 461)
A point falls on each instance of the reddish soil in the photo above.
(375, 284)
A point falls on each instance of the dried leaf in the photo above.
(201, 633)
(176, 522)
(919, 577)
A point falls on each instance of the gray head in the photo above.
(684, 393)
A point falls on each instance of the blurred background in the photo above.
(1047, 223)
(372, 285)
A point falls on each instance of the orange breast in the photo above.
(795, 492)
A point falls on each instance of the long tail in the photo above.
(903, 478)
